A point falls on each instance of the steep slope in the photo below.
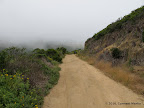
(126, 35)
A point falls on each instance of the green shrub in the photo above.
(16, 93)
(62, 49)
(39, 53)
(3, 56)
(9, 55)
(14, 84)
(54, 55)
(116, 53)
(53, 73)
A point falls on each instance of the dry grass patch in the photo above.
(120, 74)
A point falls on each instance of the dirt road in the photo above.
(83, 86)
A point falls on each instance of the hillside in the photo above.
(120, 42)
(118, 50)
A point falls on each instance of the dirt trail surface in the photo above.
(83, 86)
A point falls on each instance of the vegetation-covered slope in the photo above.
(135, 15)
(25, 78)
(125, 38)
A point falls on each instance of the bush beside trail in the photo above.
(25, 78)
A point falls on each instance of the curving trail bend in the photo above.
(83, 86)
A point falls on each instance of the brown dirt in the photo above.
(83, 86)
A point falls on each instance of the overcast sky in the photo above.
(59, 20)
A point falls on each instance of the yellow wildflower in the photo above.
(15, 102)
(36, 105)
(22, 75)
(6, 74)
(1, 75)
(22, 78)
(14, 76)
(28, 78)
(10, 78)
(23, 104)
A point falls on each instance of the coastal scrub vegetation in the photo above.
(26, 77)
(116, 53)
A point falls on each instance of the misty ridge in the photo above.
(69, 45)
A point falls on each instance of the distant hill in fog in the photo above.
(5, 44)
(43, 45)
(47, 45)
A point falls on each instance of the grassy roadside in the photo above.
(26, 77)
(121, 74)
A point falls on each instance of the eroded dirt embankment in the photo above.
(83, 86)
